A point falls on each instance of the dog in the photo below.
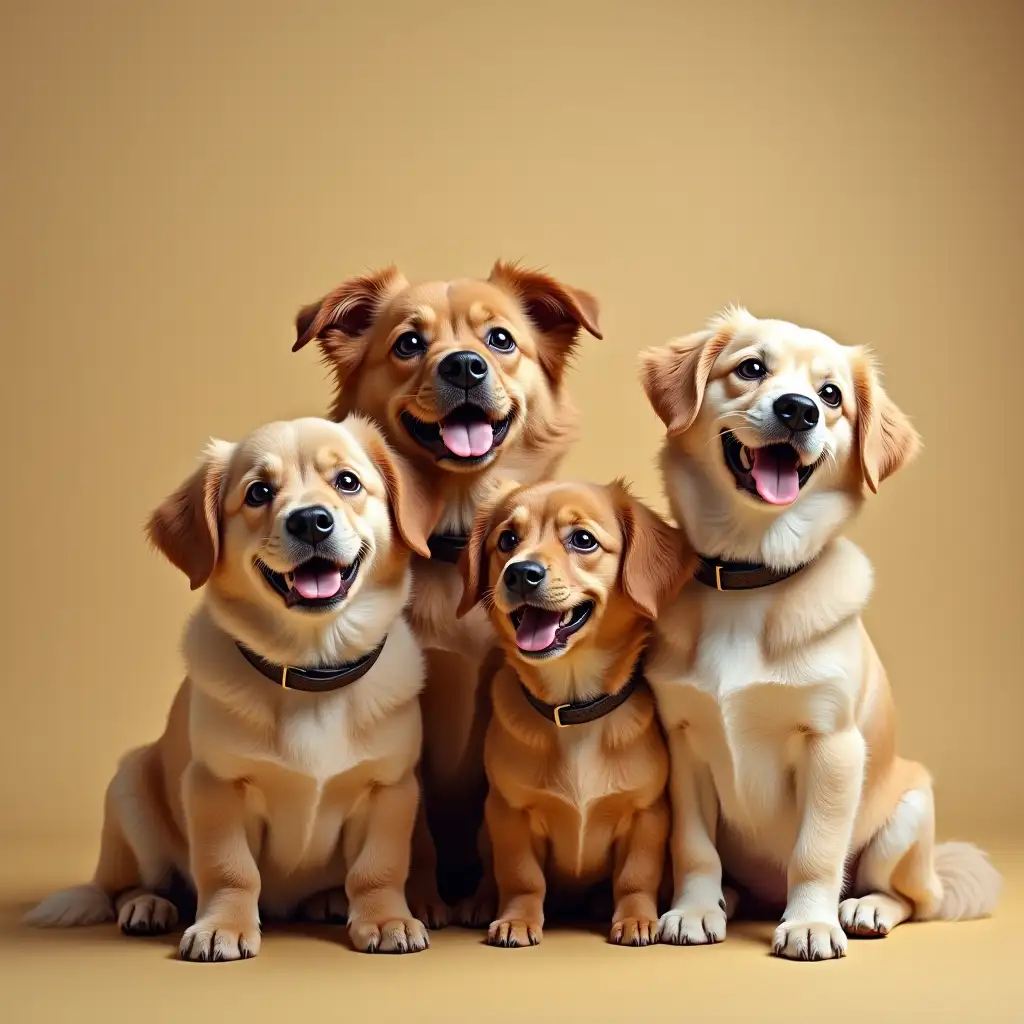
(780, 719)
(466, 378)
(284, 782)
(572, 576)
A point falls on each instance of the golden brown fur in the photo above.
(267, 801)
(571, 808)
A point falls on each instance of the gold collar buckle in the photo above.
(558, 716)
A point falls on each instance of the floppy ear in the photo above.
(185, 528)
(675, 375)
(414, 510)
(656, 558)
(886, 439)
(472, 564)
(341, 319)
(557, 310)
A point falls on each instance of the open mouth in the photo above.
(467, 434)
(773, 473)
(317, 584)
(541, 632)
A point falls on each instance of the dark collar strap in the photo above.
(447, 547)
(312, 680)
(589, 711)
(721, 575)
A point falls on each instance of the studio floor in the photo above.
(968, 972)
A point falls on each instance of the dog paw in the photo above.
(147, 914)
(809, 940)
(510, 934)
(478, 910)
(220, 938)
(634, 931)
(430, 909)
(402, 935)
(327, 907)
(869, 917)
(692, 926)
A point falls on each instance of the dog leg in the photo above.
(424, 899)
(519, 875)
(698, 913)
(478, 910)
(379, 918)
(832, 780)
(640, 859)
(227, 880)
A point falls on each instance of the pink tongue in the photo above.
(466, 439)
(537, 630)
(775, 475)
(317, 583)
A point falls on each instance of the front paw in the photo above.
(809, 940)
(401, 935)
(327, 907)
(634, 931)
(221, 937)
(429, 908)
(692, 925)
(511, 933)
(478, 910)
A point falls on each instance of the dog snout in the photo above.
(796, 412)
(463, 369)
(523, 578)
(312, 524)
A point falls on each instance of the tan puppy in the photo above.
(572, 575)
(466, 377)
(779, 715)
(286, 768)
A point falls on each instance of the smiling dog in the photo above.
(572, 575)
(284, 780)
(467, 379)
(780, 718)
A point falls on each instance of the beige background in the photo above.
(179, 177)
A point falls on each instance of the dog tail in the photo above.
(69, 908)
(970, 884)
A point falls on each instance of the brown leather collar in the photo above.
(721, 575)
(312, 680)
(447, 547)
(590, 710)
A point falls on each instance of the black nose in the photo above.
(798, 412)
(523, 578)
(311, 524)
(463, 369)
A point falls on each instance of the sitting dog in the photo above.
(780, 719)
(467, 379)
(572, 575)
(287, 766)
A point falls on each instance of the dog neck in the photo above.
(720, 525)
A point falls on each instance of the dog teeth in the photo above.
(566, 617)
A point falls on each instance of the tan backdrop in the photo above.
(180, 177)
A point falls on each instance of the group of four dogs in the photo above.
(428, 680)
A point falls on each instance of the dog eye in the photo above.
(751, 369)
(582, 540)
(258, 494)
(347, 483)
(831, 395)
(409, 345)
(508, 541)
(500, 340)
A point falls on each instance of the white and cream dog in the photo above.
(780, 719)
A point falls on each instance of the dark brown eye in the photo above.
(347, 483)
(500, 340)
(259, 493)
(409, 345)
(751, 369)
(831, 395)
(582, 540)
(508, 541)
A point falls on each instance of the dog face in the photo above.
(457, 372)
(768, 411)
(562, 564)
(296, 521)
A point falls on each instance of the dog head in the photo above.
(457, 372)
(298, 525)
(568, 566)
(767, 414)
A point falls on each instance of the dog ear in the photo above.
(414, 510)
(656, 557)
(473, 562)
(185, 528)
(886, 439)
(557, 310)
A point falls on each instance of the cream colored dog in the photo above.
(286, 769)
(779, 716)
